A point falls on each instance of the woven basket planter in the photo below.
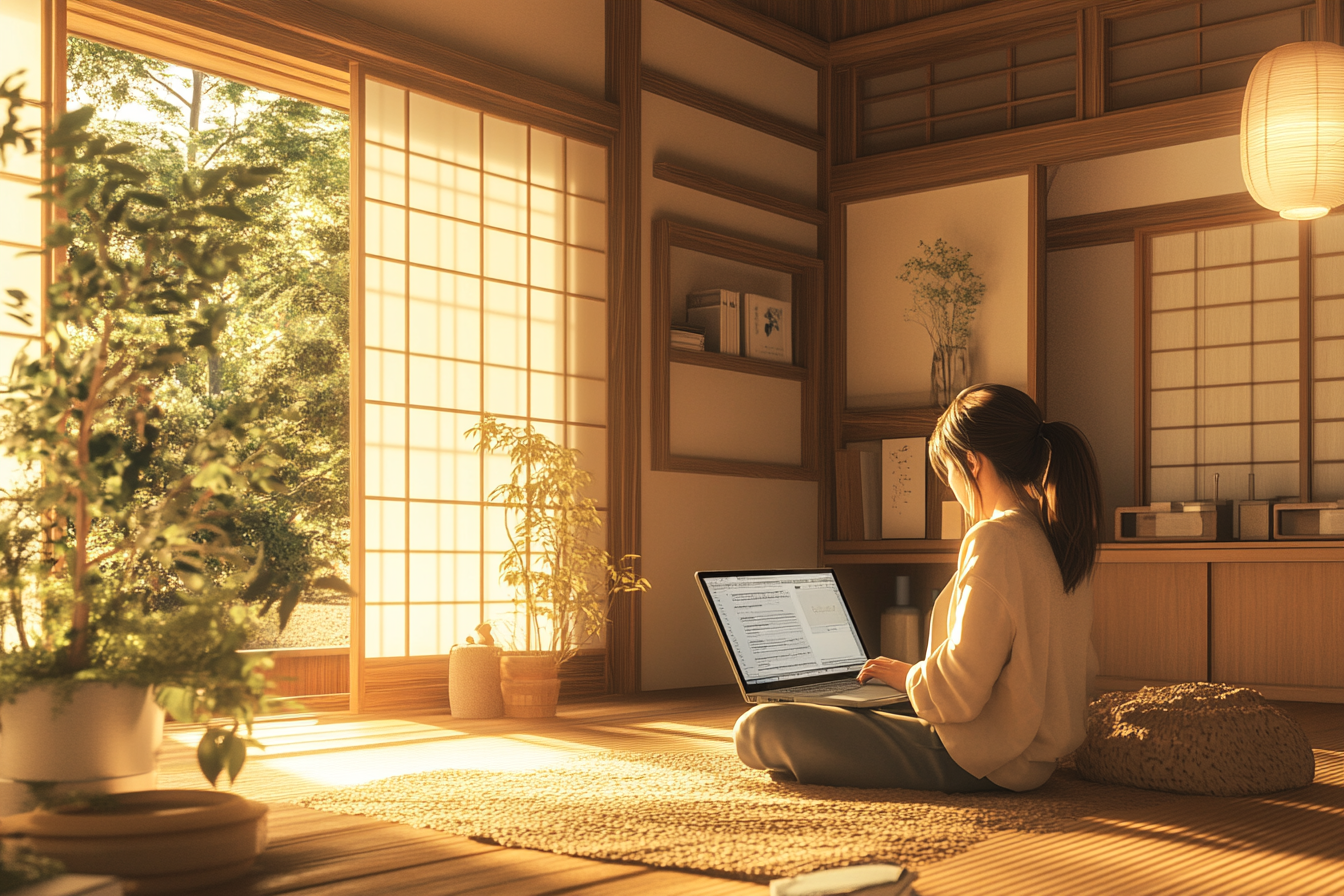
(530, 685)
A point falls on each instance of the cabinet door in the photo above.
(1278, 623)
(1150, 621)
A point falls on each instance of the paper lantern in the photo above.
(1292, 130)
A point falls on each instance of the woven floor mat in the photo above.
(707, 812)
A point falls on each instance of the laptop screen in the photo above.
(784, 625)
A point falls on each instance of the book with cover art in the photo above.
(767, 330)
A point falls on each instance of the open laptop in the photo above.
(791, 637)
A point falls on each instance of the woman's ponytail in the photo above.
(1070, 502)
(1049, 465)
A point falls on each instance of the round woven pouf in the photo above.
(1194, 738)
(473, 682)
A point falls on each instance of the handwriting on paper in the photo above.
(903, 482)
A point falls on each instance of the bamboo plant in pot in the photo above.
(561, 580)
(126, 585)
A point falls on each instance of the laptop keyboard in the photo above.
(823, 687)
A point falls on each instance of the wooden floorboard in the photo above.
(1283, 843)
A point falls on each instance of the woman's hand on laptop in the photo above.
(888, 671)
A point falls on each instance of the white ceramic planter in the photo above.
(105, 739)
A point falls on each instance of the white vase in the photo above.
(105, 739)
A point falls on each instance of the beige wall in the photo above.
(698, 52)
(692, 521)
(1169, 174)
(562, 41)
(1090, 358)
(889, 357)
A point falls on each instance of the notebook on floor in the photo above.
(791, 638)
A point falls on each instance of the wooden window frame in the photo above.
(1177, 222)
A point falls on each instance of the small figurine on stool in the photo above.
(483, 632)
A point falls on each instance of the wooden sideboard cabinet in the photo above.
(1277, 624)
(1150, 621)
(1270, 617)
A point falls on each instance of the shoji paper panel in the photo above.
(484, 288)
(1327, 480)
(21, 216)
(1224, 362)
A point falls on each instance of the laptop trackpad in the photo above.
(867, 694)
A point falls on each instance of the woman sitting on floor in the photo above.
(1002, 693)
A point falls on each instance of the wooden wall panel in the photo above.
(417, 683)
(758, 28)
(624, 31)
(810, 16)
(1150, 620)
(1277, 623)
(1008, 153)
(420, 683)
(301, 673)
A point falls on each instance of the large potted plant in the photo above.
(562, 581)
(127, 585)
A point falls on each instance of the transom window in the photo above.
(1196, 48)
(1014, 86)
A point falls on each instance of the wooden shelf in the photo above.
(866, 424)
(1223, 552)
(737, 363)
(799, 276)
(893, 551)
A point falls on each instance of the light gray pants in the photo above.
(850, 748)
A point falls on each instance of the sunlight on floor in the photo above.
(716, 733)
(334, 763)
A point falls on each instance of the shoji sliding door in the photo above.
(22, 218)
(1224, 362)
(484, 287)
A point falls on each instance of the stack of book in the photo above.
(688, 337)
(719, 313)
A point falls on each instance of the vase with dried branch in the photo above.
(945, 292)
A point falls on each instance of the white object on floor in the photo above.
(73, 885)
(868, 880)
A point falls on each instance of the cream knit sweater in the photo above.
(1006, 676)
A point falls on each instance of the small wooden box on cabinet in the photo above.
(1324, 520)
(1256, 520)
(1173, 522)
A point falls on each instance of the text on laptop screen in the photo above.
(790, 625)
